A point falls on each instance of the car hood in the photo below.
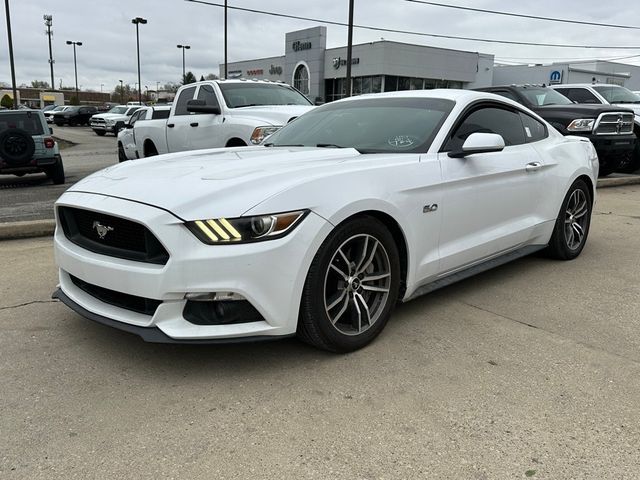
(585, 111)
(109, 115)
(270, 114)
(632, 106)
(220, 182)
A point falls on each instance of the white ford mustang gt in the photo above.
(352, 207)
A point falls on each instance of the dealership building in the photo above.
(381, 66)
(599, 71)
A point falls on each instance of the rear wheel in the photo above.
(56, 172)
(572, 225)
(351, 288)
(150, 149)
(122, 157)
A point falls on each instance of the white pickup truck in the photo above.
(126, 136)
(220, 113)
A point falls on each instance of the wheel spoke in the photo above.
(337, 300)
(356, 297)
(374, 289)
(581, 210)
(346, 260)
(579, 231)
(364, 255)
(369, 260)
(355, 304)
(344, 276)
(570, 237)
(335, 319)
(373, 278)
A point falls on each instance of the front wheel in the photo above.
(351, 288)
(56, 172)
(122, 157)
(572, 225)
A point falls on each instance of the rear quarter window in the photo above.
(159, 114)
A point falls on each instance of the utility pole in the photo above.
(13, 67)
(225, 39)
(349, 48)
(75, 65)
(121, 92)
(48, 21)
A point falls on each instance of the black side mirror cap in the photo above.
(200, 106)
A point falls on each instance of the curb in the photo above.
(45, 228)
(618, 181)
(27, 229)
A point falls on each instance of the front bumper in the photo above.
(269, 275)
(614, 151)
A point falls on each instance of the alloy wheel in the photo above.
(357, 284)
(575, 222)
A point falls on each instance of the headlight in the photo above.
(581, 125)
(221, 231)
(110, 122)
(260, 133)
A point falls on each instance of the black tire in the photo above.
(150, 150)
(634, 165)
(119, 126)
(561, 246)
(100, 133)
(121, 155)
(56, 172)
(349, 332)
(16, 146)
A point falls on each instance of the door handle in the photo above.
(194, 124)
(171, 125)
(533, 166)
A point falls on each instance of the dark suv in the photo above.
(74, 116)
(26, 145)
(609, 128)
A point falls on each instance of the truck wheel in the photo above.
(56, 172)
(150, 150)
(122, 157)
(634, 164)
(100, 133)
(16, 146)
(119, 126)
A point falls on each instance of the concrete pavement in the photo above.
(532, 369)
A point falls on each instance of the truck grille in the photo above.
(112, 236)
(614, 123)
(146, 306)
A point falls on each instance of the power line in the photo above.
(566, 59)
(521, 15)
(408, 32)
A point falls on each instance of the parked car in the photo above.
(356, 205)
(72, 116)
(603, 94)
(48, 115)
(113, 120)
(221, 113)
(26, 145)
(48, 108)
(598, 123)
(126, 137)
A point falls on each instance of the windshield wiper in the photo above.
(328, 145)
(248, 105)
(271, 144)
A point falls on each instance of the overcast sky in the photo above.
(108, 53)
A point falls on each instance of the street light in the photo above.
(48, 21)
(75, 64)
(13, 68)
(137, 21)
(121, 92)
(183, 47)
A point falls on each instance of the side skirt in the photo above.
(474, 270)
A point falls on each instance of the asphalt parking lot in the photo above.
(531, 370)
(31, 197)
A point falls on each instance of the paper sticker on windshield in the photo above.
(528, 131)
(401, 141)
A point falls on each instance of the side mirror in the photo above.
(200, 106)
(479, 143)
(128, 126)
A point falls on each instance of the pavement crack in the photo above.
(635, 217)
(551, 332)
(27, 303)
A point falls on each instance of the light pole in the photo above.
(75, 65)
(349, 48)
(137, 21)
(13, 68)
(101, 85)
(48, 21)
(225, 39)
(121, 92)
(183, 47)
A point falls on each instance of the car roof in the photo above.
(440, 93)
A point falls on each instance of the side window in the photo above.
(533, 129)
(207, 94)
(581, 95)
(160, 114)
(183, 98)
(135, 117)
(132, 110)
(489, 120)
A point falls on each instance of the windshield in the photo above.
(238, 95)
(375, 125)
(58, 109)
(119, 110)
(541, 96)
(24, 120)
(614, 94)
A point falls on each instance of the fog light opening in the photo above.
(214, 297)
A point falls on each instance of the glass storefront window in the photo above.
(301, 79)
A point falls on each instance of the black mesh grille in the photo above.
(121, 238)
(146, 306)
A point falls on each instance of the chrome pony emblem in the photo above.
(102, 230)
